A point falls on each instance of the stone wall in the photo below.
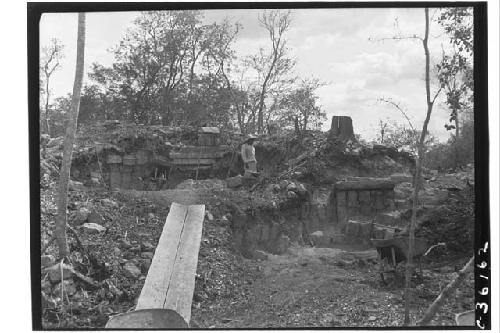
(360, 197)
(127, 171)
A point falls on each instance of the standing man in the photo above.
(248, 156)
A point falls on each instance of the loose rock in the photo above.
(93, 228)
(131, 270)
(147, 255)
(69, 288)
(47, 260)
(81, 216)
(147, 246)
(55, 272)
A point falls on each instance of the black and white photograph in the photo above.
(259, 166)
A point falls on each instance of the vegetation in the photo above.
(172, 69)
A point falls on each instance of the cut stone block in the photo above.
(365, 229)
(389, 204)
(364, 184)
(389, 233)
(341, 198)
(364, 196)
(233, 182)
(342, 215)
(352, 199)
(401, 203)
(401, 177)
(378, 233)
(379, 199)
(352, 228)
(365, 209)
(389, 218)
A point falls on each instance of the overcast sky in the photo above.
(330, 44)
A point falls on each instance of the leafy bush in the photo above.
(453, 154)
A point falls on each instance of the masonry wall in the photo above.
(365, 197)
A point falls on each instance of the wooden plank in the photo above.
(180, 295)
(157, 282)
(148, 319)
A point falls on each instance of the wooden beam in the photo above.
(170, 282)
(160, 272)
(180, 295)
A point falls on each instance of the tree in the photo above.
(274, 65)
(62, 194)
(421, 148)
(166, 65)
(301, 104)
(455, 71)
(382, 125)
(418, 169)
(50, 61)
(402, 137)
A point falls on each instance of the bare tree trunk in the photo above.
(47, 117)
(62, 200)
(260, 115)
(447, 291)
(418, 171)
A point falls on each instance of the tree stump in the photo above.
(341, 128)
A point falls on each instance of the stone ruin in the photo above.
(141, 168)
(359, 209)
(361, 197)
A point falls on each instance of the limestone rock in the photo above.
(95, 218)
(389, 218)
(292, 187)
(260, 255)
(301, 189)
(55, 272)
(81, 216)
(109, 202)
(401, 178)
(283, 244)
(283, 184)
(147, 255)
(125, 244)
(145, 264)
(93, 228)
(75, 186)
(317, 237)
(352, 228)
(233, 182)
(47, 302)
(147, 246)
(69, 288)
(365, 230)
(131, 271)
(47, 260)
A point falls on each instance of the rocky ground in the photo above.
(113, 234)
(305, 287)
